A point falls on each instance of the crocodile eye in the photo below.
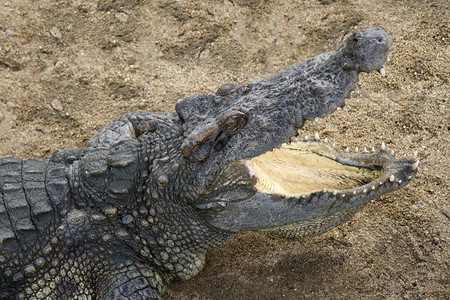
(233, 122)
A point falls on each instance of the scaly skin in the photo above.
(152, 192)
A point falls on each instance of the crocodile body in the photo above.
(150, 193)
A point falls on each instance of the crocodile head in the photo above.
(251, 172)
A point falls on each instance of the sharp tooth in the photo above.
(392, 178)
(251, 170)
(365, 191)
(317, 137)
(415, 165)
(365, 150)
(415, 153)
(388, 59)
(326, 140)
(392, 152)
(356, 150)
(306, 138)
(399, 182)
(347, 149)
(334, 145)
(373, 149)
(382, 72)
(354, 192)
(383, 146)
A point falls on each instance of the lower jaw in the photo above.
(333, 192)
(308, 172)
(314, 226)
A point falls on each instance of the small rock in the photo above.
(56, 104)
(122, 17)
(56, 33)
(9, 32)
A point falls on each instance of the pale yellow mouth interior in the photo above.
(305, 167)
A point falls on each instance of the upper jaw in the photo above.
(277, 105)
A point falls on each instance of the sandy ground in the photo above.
(86, 62)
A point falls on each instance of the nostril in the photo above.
(380, 40)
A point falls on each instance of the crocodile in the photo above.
(151, 192)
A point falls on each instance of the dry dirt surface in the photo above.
(87, 62)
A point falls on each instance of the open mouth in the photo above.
(303, 167)
(304, 187)
(311, 173)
